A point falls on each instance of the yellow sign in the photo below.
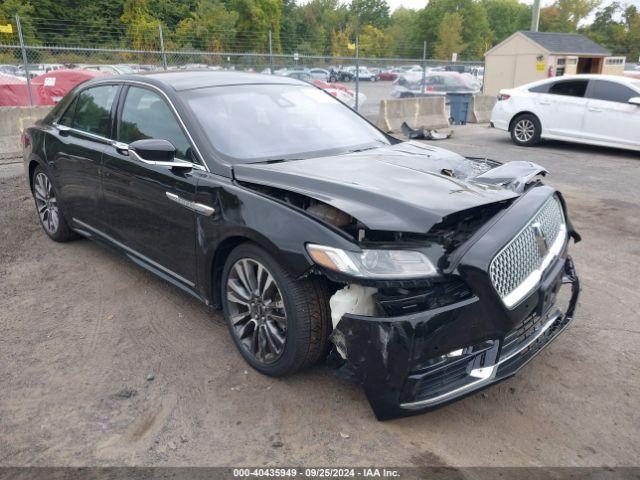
(8, 28)
(540, 67)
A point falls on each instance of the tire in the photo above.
(52, 220)
(526, 130)
(258, 324)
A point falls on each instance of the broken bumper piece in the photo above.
(417, 362)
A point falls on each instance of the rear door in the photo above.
(562, 108)
(610, 117)
(146, 203)
(74, 150)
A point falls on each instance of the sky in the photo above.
(416, 4)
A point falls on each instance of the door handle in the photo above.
(200, 208)
(593, 109)
(544, 102)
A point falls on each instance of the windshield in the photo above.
(277, 122)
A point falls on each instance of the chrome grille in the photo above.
(516, 262)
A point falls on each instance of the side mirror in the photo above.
(634, 101)
(153, 150)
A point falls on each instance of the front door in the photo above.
(610, 117)
(146, 203)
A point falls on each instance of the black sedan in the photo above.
(423, 274)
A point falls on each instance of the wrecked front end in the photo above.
(502, 298)
(501, 287)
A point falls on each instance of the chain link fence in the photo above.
(29, 51)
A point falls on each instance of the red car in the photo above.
(388, 75)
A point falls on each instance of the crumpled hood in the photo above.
(407, 187)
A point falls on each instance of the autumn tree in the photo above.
(141, 26)
(210, 27)
(449, 38)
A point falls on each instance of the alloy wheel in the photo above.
(524, 130)
(256, 310)
(46, 203)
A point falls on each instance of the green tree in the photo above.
(141, 26)
(372, 42)
(632, 41)
(476, 33)
(565, 15)
(369, 12)
(210, 27)
(401, 35)
(449, 38)
(606, 30)
(506, 17)
(8, 11)
(255, 19)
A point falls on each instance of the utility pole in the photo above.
(162, 52)
(357, 70)
(270, 53)
(424, 65)
(24, 59)
(535, 15)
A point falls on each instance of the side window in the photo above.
(544, 88)
(611, 91)
(93, 108)
(569, 88)
(146, 115)
(67, 117)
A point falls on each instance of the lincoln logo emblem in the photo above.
(541, 239)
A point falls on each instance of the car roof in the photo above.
(629, 81)
(189, 80)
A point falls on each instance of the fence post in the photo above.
(162, 52)
(424, 65)
(24, 59)
(270, 54)
(357, 71)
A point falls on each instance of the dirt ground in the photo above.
(102, 363)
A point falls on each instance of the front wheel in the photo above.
(280, 324)
(526, 130)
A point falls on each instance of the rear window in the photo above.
(90, 112)
(569, 88)
(544, 88)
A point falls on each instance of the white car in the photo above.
(594, 109)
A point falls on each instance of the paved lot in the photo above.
(83, 328)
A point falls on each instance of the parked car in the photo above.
(426, 275)
(343, 93)
(38, 69)
(111, 69)
(9, 69)
(341, 75)
(593, 109)
(438, 83)
(303, 75)
(391, 74)
(319, 74)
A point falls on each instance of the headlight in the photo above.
(373, 263)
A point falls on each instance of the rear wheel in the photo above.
(51, 217)
(279, 324)
(526, 130)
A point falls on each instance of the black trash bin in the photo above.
(460, 103)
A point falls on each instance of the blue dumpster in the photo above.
(460, 103)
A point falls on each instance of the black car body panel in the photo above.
(181, 223)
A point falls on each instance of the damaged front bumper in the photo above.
(416, 362)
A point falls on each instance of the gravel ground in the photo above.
(102, 363)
